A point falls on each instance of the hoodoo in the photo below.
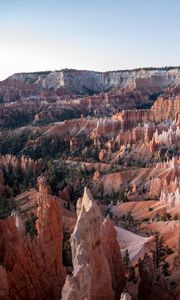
(31, 267)
(98, 271)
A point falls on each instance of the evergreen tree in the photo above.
(101, 189)
(159, 251)
(126, 259)
(132, 274)
(165, 268)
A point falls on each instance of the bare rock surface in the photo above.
(98, 271)
(31, 267)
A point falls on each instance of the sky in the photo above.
(101, 35)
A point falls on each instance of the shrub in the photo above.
(30, 225)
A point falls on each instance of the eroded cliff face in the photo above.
(31, 268)
(98, 271)
(85, 81)
(23, 162)
(112, 250)
(166, 109)
(166, 185)
(162, 109)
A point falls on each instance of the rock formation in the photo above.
(23, 162)
(125, 296)
(98, 271)
(31, 268)
(165, 109)
(130, 118)
(82, 81)
(131, 149)
(162, 109)
(112, 250)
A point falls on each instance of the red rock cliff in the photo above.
(31, 268)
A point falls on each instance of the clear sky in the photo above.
(88, 34)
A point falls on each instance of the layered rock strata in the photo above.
(31, 267)
(84, 81)
(98, 271)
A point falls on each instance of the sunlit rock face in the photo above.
(162, 109)
(31, 267)
(125, 296)
(165, 109)
(132, 117)
(143, 133)
(167, 185)
(167, 137)
(98, 271)
(82, 81)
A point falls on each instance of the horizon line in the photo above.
(163, 68)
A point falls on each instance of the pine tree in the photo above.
(132, 274)
(126, 259)
(159, 251)
(101, 189)
(165, 268)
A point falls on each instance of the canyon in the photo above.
(90, 185)
(31, 268)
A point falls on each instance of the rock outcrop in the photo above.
(165, 109)
(166, 186)
(112, 251)
(125, 296)
(85, 81)
(31, 267)
(162, 109)
(23, 162)
(98, 271)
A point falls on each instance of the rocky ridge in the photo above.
(31, 267)
(84, 81)
(98, 271)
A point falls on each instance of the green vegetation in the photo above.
(132, 274)
(165, 268)
(160, 253)
(165, 68)
(66, 248)
(30, 225)
(19, 179)
(165, 217)
(17, 144)
(11, 143)
(101, 189)
(20, 118)
(7, 204)
(169, 250)
(126, 260)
